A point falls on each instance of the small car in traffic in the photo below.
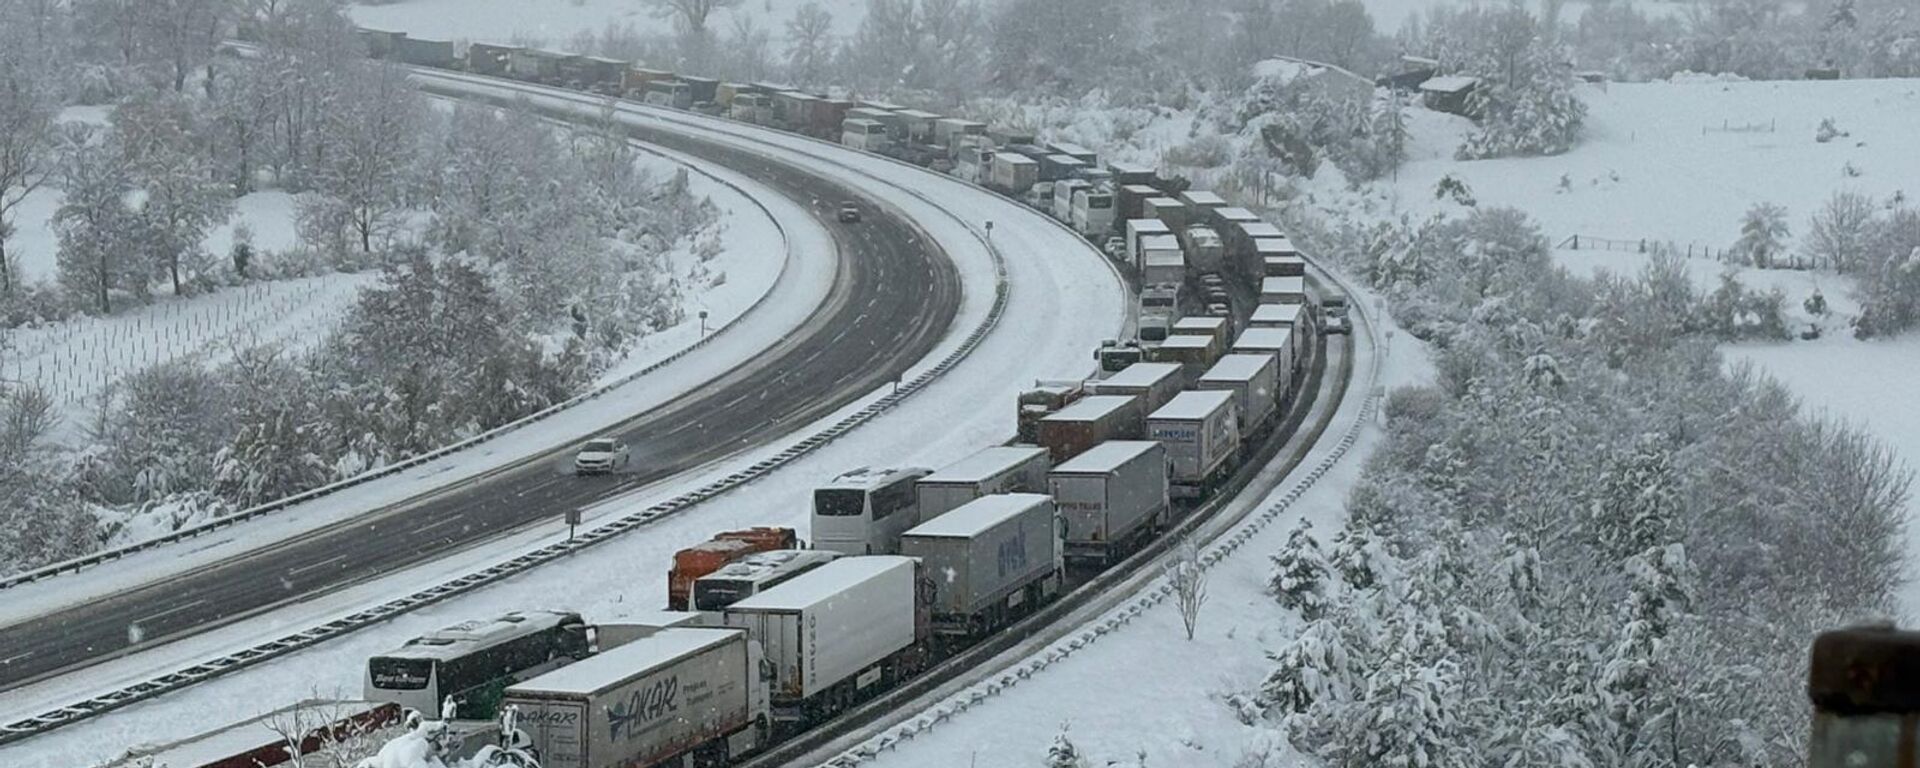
(849, 212)
(600, 456)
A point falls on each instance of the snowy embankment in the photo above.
(1681, 162)
(556, 23)
(760, 230)
(1064, 299)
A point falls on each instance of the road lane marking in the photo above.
(321, 564)
(170, 611)
(435, 524)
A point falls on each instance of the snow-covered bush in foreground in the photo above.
(1596, 545)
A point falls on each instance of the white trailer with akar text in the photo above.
(996, 469)
(988, 562)
(1202, 435)
(677, 697)
(836, 634)
(1110, 497)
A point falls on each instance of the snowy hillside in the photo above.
(1680, 162)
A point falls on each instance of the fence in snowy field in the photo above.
(76, 361)
(88, 561)
(1688, 250)
(217, 667)
(1727, 126)
(1117, 618)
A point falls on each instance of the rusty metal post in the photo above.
(1864, 683)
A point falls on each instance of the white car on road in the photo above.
(601, 455)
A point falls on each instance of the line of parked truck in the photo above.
(764, 635)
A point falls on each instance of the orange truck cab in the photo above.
(709, 556)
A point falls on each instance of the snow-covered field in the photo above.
(1667, 162)
(558, 21)
(1060, 307)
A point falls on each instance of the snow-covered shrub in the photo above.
(1763, 236)
(1300, 573)
(1889, 287)
(1621, 568)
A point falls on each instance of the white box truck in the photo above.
(1063, 191)
(1207, 251)
(1220, 328)
(1283, 290)
(1013, 174)
(1153, 383)
(1140, 229)
(1201, 432)
(996, 469)
(1255, 383)
(1110, 496)
(834, 632)
(989, 561)
(1161, 261)
(677, 694)
(1277, 342)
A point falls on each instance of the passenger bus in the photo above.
(754, 574)
(863, 512)
(475, 661)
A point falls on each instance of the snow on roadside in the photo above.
(1060, 307)
(753, 251)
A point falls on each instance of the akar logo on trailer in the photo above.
(642, 708)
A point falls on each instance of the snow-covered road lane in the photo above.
(1064, 300)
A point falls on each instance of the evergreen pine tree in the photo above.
(1300, 574)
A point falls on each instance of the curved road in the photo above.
(894, 296)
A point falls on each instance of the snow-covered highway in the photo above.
(1064, 299)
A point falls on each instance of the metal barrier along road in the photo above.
(213, 668)
(87, 561)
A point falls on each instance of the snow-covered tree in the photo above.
(810, 44)
(163, 142)
(1188, 578)
(1763, 235)
(27, 151)
(1523, 103)
(1315, 668)
(368, 142)
(1062, 753)
(1839, 235)
(1300, 573)
(96, 227)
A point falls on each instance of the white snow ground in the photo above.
(1668, 162)
(1064, 300)
(754, 255)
